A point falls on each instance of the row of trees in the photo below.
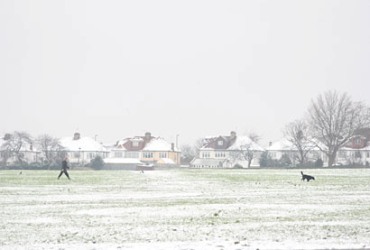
(50, 151)
(15, 144)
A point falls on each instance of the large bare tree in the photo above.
(49, 146)
(297, 133)
(333, 119)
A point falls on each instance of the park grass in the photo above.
(185, 209)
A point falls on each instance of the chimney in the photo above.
(232, 135)
(270, 143)
(148, 136)
(173, 146)
(76, 136)
(7, 137)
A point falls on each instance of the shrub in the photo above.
(97, 163)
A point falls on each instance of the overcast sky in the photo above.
(194, 68)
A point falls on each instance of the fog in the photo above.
(185, 69)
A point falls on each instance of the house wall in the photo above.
(349, 157)
(84, 157)
(226, 157)
(154, 156)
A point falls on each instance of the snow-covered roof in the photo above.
(243, 141)
(282, 145)
(285, 145)
(82, 144)
(159, 144)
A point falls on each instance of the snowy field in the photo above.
(185, 209)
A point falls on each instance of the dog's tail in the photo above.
(301, 173)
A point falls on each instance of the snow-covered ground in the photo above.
(185, 209)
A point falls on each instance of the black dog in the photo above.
(307, 177)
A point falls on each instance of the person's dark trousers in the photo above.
(65, 172)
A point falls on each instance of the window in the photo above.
(162, 155)
(148, 155)
(220, 143)
(358, 154)
(206, 155)
(135, 144)
(220, 155)
(118, 154)
(132, 155)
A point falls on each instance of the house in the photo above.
(284, 147)
(228, 152)
(357, 149)
(81, 150)
(144, 149)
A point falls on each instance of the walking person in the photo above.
(64, 168)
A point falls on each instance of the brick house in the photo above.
(145, 149)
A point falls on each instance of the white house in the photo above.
(81, 150)
(285, 147)
(228, 152)
(143, 149)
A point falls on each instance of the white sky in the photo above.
(194, 68)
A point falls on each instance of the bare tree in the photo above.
(6, 152)
(247, 153)
(188, 153)
(247, 150)
(333, 119)
(297, 133)
(199, 143)
(15, 143)
(49, 146)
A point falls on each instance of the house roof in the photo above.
(159, 144)
(145, 143)
(231, 142)
(285, 145)
(81, 144)
(242, 141)
(282, 145)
